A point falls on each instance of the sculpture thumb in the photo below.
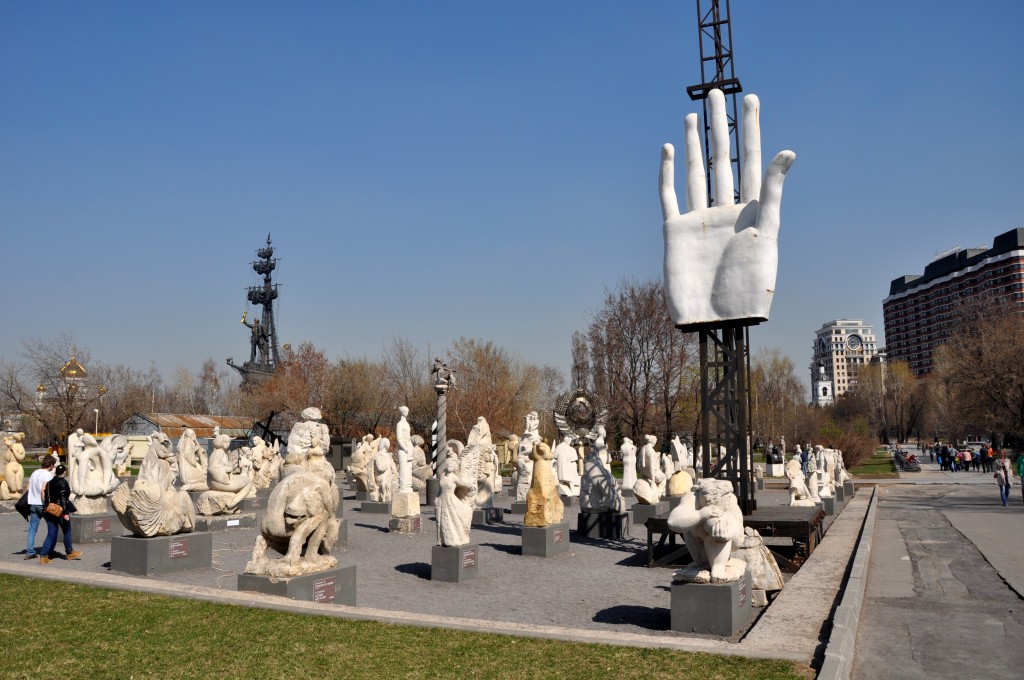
(770, 205)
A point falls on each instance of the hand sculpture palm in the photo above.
(721, 262)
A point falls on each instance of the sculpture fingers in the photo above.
(721, 161)
(750, 182)
(696, 179)
(667, 183)
(771, 194)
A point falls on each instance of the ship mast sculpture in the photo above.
(263, 347)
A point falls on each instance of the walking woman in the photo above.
(59, 491)
(1003, 475)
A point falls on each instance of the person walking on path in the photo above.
(36, 483)
(1020, 471)
(1004, 476)
(59, 491)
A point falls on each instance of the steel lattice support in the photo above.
(717, 71)
(725, 410)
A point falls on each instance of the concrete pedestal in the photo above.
(643, 512)
(775, 469)
(672, 501)
(161, 554)
(375, 508)
(334, 586)
(848, 488)
(546, 541)
(95, 528)
(627, 493)
(343, 533)
(245, 520)
(433, 489)
(454, 564)
(406, 525)
(362, 496)
(488, 516)
(253, 504)
(608, 525)
(760, 483)
(829, 505)
(712, 608)
(840, 494)
(519, 507)
(570, 501)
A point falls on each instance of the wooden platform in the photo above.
(803, 525)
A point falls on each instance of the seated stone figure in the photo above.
(153, 507)
(192, 462)
(650, 487)
(598, 490)
(13, 471)
(799, 495)
(710, 521)
(544, 506)
(94, 477)
(230, 480)
(361, 458)
(420, 467)
(764, 570)
(299, 521)
(266, 462)
(383, 473)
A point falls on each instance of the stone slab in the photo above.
(454, 564)
(343, 533)
(828, 504)
(546, 541)
(375, 508)
(712, 608)
(161, 554)
(627, 493)
(265, 493)
(406, 525)
(95, 528)
(362, 496)
(642, 512)
(487, 516)
(405, 504)
(840, 494)
(607, 525)
(244, 520)
(760, 483)
(570, 501)
(253, 504)
(334, 586)
(848, 488)
(519, 507)
(672, 501)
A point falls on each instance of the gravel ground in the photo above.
(595, 585)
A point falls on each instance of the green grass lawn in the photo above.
(878, 466)
(71, 631)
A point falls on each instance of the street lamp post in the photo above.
(96, 428)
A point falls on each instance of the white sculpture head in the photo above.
(384, 445)
(650, 439)
(258, 441)
(311, 413)
(79, 432)
(404, 410)
(221, 441)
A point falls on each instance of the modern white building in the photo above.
(841, 347)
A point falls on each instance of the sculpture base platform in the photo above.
(840, 494)
(362, 496)
(608, 525)
(519, 507)
(487, 516)
(95, 528)
(760, 483)
(244, 520)
(254, 504)
(343, 533)
(570, 501)
(627, 493)
(848, 489)
(712, 608)
(546, 541)
(672, 501)
(406, 525)
(375, 507)
(161, 554)
(454, 564)
(829, 505)
(643, 512)
(334, 586)
(264, 493)
(433, 490)
(775, 469)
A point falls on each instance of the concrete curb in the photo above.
(841, 643)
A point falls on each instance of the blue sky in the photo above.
(482, 169)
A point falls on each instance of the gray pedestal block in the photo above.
(672, 501)
(334, 586)
(519, 507)
(608, 525)
(643, 512)
(840, 494)
(254, 504)
(245, 520)
(546, 541)
(760, 483)
(375, 507)
(712, 608)
(406, 525)
(433, 490)
(161, 554)
(95, 528)
(627, 493)
(343, 533)
(362, 496)
(848, 488)
(829, 505)
(570, 501)
(454, 564)
(488, 516)
(264, 494)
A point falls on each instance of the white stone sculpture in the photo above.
(628, 451)
(453, 506)
(14, 473)
(266, 461)
(153, 507)
(403, 438)
(511, 449)
(230, 480)
(825, 485)
(799, 495)
(360, 461)
(764, 570)
(420, 467)
(72, 452)
(524, 461)
(721, 261)
(95, 477)
(811, 479)
(681, 457)
(566, 469)
(651, 486)
(543, 504)
(299, 521)
(383, 474)
(479, 450)
(668, 466)
(710, 521)
(192, 462)
(842, 475)
(598, 490)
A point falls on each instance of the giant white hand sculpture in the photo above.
(721, 262)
